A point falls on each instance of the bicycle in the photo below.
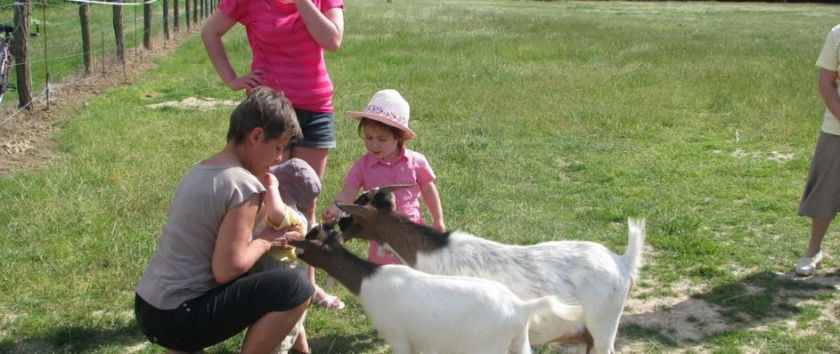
(6, 59)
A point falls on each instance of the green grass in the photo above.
(58, 46)
(542, 120)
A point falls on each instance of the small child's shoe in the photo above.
(807, 265)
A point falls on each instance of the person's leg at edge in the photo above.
(317, 159)
(301, 344)
(262, 335)
(818, 229)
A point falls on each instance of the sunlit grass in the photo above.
(543, 121)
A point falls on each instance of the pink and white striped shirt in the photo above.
(281, 46)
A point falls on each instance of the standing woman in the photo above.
(287, 39)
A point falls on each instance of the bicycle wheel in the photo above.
(5, 71)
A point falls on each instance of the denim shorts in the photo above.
(318, 129)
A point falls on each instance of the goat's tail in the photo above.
(552, 305)
(635, 246)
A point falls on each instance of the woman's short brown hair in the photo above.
(267, 109)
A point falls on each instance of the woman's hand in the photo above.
(279, 239)
(248, 81)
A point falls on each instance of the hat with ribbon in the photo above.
(387, 107)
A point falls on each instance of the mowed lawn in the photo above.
(544, 120)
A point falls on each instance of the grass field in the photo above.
(544, 120)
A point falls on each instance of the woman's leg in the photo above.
(818, 229)
(262, 336)
(301, 344)
(315, 157)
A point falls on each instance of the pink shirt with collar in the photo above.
(410, 168)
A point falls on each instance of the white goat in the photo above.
(576, 272)
(416, 312)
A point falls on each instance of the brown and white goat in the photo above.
(576, 272)
(416, 312)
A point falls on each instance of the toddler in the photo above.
(384, 127)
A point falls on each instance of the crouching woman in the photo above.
(196, 291)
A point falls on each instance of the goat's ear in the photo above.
(358, 211)
(383, 198)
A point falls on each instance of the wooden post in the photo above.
(84, 19)
(175, 15)
(134, 34)
(166, 19)
(147, 25)
(20, 48)
(187, 13)
(102, 36)
(119, 35)
(46, 54)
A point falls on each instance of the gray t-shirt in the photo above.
(181, 267)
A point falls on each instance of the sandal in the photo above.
(807, 265)
(331, 302)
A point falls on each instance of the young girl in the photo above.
(384, 127)
(819, 200)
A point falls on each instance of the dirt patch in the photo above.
(26, 136)
(194, 103)
(697, 313)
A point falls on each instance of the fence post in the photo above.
(46, 54)
(118, 31)
(84, 19)
(166, 19)
(175, 14)
(20, 49)
(187, 13)
(147, 25)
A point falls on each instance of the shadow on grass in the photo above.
(75, 339)
(755, 300)
(358, 343)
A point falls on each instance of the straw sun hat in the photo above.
(387, 107)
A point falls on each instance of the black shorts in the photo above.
(224, 311)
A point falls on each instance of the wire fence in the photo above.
(73, 41)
